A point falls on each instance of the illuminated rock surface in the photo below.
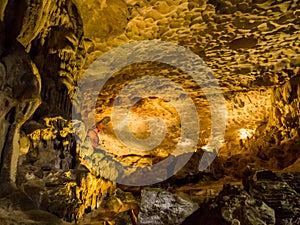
(252, 48)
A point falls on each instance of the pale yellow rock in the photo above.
(263, 27)
(24, 143)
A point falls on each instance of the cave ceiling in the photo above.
(250, 47)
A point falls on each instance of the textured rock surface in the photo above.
(20, 88)
(233, 206)
(242, 56)
(253, 50)
(278, 191)
(276, 140)
(237, 42)
(266, 198)
(159, 207)
(53, 176)
(119, 208)
(32, 217)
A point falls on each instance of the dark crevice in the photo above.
(14, 14)
(25, 109)
(3, 152)
(11, 115)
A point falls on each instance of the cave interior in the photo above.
(198, 101)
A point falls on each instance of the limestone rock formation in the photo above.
(119, 208)
(52, 175)
(277, 139)
(48, 165)
(266, 198)
(20, 97)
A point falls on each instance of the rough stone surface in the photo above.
(252, 48)
(233, 206)
(20, 85)
(119, 208)
(277, 191)
(31, 217)
(160, 207)
(237, 42)
(53, 175)
(277, 139)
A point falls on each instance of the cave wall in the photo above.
(277, 139)
(20, 90)
(41, 59)
(52, 34)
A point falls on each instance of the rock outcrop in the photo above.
(278, 191)
(53, 172)
(266, 198)
(276, 140)
(233, 206)
(20, 96)
(159, 207)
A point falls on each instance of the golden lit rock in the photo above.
(48, 162)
